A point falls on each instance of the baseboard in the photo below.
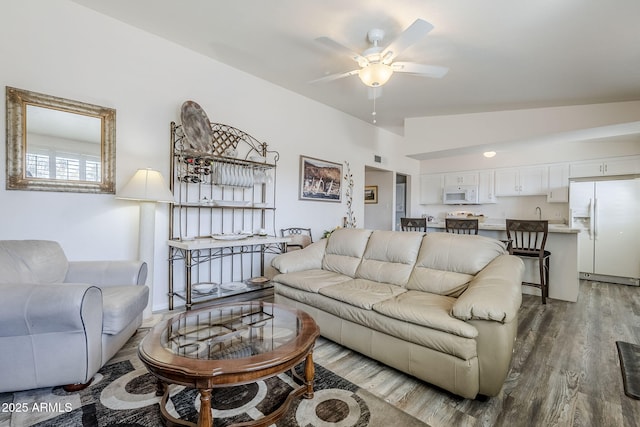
(629, 281)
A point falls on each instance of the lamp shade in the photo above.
(375, 74)
(146, 185)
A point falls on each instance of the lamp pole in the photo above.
(148, 187)
(146, 246)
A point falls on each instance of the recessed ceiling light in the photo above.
(489, 154)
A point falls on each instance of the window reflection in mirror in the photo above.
(55, 144)
(61, 145)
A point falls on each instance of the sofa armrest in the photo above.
(31, 309)
(494, 294)
(309, 258)
(107, 273)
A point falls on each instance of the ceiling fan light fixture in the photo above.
(375, 74)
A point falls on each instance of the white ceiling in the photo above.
(502, 54)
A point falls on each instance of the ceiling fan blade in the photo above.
(337, 76)
(412, 34)
(420, 69)
(332, 44)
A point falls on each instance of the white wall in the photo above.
(59, 48)
(380, 216)
(502, 129)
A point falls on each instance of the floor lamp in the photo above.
(148, 187)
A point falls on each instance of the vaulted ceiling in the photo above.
(501, 54)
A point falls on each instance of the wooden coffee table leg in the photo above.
(204, 419)
(309, 375)
(160, 387)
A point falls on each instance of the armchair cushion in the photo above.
(32, 261)
(121, 305)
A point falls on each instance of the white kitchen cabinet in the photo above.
(431, 189)
(607, 167)
(529, 181)
(486, 187)
(558, 184)
(507, 182)
(461, 178)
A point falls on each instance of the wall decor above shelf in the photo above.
(224, 187)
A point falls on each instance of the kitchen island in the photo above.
(562, 242)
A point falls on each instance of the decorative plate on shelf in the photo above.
(233, 286)
(204, 287)
(196, 126)
(230, 236)
(230, 202)
(260, 280)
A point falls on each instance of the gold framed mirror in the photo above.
(56, 144)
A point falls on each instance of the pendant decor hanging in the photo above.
(349, 220)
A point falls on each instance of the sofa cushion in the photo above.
(426, 309)
(438, 281)
(311, 280)
(344, 250)
(458, 256)
(389, 257)
(361, 292)
(121, 305)
(461, 347)
(32, 261)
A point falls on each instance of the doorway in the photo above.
(401, 199)
(379, 212)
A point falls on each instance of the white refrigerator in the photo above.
(608, 214)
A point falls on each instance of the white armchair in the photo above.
(61, 321)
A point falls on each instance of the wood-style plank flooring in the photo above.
(565, 370)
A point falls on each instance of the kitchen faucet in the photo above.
(539, 212)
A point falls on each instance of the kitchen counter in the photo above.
(553, 228)
(562, 242)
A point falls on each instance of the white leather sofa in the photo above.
(441, 307)
(61, 321)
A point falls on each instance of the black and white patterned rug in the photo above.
(123, 395)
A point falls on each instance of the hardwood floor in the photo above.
(565, 370)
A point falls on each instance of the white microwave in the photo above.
(460, 195)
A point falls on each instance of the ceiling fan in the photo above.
(377, 63)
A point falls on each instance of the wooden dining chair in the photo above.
(528, 239)
(461, 225)
(413, 224)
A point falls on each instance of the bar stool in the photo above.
(413, 224)
(528, 238)
(461, 226)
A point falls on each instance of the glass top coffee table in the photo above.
(226, 345)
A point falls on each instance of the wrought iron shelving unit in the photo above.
(223, 220)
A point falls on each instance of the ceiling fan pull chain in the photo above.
(374, 106)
